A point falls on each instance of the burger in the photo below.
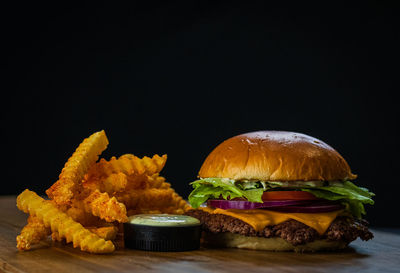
(278, 191)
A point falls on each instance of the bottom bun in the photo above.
(233, 240)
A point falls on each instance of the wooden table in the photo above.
(382, 254)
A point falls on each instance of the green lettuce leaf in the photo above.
(351, 196)
(209, 188)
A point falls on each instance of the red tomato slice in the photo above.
(287, 195)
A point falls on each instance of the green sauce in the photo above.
(165, 220)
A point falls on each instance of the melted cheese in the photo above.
(259, 219)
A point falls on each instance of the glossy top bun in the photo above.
(276, 156)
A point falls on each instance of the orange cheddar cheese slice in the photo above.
(259, 219)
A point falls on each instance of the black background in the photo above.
(180, 77)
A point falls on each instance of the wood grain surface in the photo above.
(382, 254)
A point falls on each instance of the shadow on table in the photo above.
(235, 260)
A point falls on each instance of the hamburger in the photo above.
(278, 191)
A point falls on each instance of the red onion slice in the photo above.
(296, 206)
(309, 208)
(235, 204)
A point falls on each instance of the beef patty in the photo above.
(344, 229)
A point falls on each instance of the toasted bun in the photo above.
(232, 240)
(276, 156)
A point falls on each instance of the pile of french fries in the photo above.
(92, 197)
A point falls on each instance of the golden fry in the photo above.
(119, 182)
(76, 167)
(29, 202)
(127, 164)
(115, 182)
(78, 214)
(152, 199)
(55, 236)
(158, 182)
(107, 233)
(32, 233)
(105, 207)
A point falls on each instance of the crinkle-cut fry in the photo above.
(157, 181)
(127, 164)
(180, 203)
(148, 198)
(152, 199)
(107, 233)
(55, 236)
(31, 234)
(29, 202)
(76, 167)
(145, 164)
(106, 207)
(78, 214)
(116, 182)
(119, 182)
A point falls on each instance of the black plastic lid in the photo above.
(160, 237)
